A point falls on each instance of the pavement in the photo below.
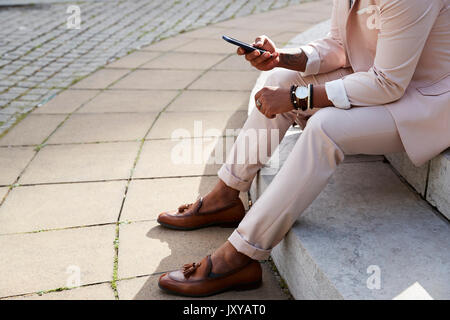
(42, 52)
(84, 175)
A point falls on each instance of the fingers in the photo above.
(257, 59)
(265, 63)
(270, 63)
(252, 55)
(264, 59)
(260, 41)
(261, 58)
(259, 100)
(267, 113)
(259, 96)
(264, 106)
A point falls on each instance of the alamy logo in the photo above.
(374, 280)
(74, 20)
(74, 278)
(213, 146)
(373, 20)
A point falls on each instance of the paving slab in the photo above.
(129, 101)
(134, 60)
(83, 162)
(216, 33)
(146, 247)
(317, 11)
(67, 101)
(198, 124)
(101, 79)
(103, 127)
(206, 46)
(287, 19)
(32, 130)
(234, 62)
(42, 207)
(146, 288)
(180, 60)
(12, 161)
(283, 38)
(92, 292)
(50, 260)
(140, 203)
(158, 79)
(226, 80)
(321, 6)
(167, 44)
(209, 32)
(3, 192)
(186, 157)
(270, 25)
(201, 100)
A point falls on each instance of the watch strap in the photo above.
(294, 100)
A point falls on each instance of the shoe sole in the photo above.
(214, 224)
(239, 287)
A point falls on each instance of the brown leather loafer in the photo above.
(188, 217)
(197, 280)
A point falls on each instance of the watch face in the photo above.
(301, 92)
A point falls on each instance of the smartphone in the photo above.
(248, 48)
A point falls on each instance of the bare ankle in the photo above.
(228, 258)
(225, 191)
(231, 254)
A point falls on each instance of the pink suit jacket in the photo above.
(400, 54)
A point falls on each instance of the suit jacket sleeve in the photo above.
(404, 29)
(331, 49)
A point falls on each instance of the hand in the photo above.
(271, 101)
(266, 61)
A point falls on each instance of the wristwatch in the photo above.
(304, 96)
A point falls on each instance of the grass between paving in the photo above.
(117, 239)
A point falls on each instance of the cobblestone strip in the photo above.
(40, 56)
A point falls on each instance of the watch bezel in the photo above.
(301, 92)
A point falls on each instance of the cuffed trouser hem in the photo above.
(246, 248)
(232, 181)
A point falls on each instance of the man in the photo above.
(380, 84)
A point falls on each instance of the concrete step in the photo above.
(369, 234)
(366, 220)
(431, 181)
